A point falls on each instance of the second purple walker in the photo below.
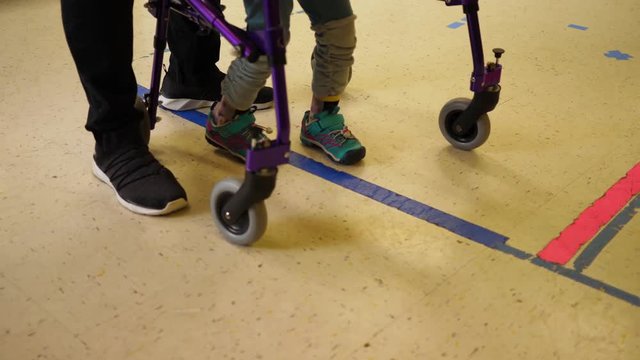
(464, 122)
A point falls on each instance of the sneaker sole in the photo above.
(169, 208)
(350, 158)
(263, 106)
(192, 104)
(183, 104)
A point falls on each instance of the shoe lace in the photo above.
(250, 129)
(342, 135)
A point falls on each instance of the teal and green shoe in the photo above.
(234, 136)
(328, 132)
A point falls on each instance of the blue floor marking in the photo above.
(414, 208)
(195, 117)
(191, 115)
(461, 227)
(571, 274)
(578, 27)
(618, 55)
(603, 238)
(455, 25)
(589, 281)
(507, 249)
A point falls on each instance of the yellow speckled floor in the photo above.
(337, 274)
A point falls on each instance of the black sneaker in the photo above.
(141, 183)
(178, 97)
(122, 160)
(264, 99)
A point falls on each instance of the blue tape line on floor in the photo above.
(455, 25)
(598, 244)
(571, 274)
(191, 115)
(578, 27)
(618, 55)
(414, 208)
(427, 213)
(586, 280)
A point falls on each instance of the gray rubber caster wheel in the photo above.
(475, 137)
(251, 225)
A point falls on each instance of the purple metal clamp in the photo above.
(483, 76)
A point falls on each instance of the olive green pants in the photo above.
(333, 23)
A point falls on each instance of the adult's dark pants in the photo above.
(100, 36)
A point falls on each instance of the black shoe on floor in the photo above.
(179, 97)
(140, 182)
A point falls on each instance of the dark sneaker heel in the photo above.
(141, 183)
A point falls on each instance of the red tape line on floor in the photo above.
(564, 247)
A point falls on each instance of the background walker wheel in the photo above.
(470, 140)
(249, 227)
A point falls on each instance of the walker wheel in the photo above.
(469, 140)
(249, 227)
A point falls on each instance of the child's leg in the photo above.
(230, 118)
(240, 87)
(322, 126)
(244, 79)
(333, 24)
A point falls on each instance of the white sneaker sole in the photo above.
(192, 104)
(183, 104)
(169, 208)
(263, 106)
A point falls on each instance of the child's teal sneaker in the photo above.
(234, 136)
(328, 132)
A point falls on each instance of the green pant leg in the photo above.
(255, 14)
(323, 11)
(244, 79)
(334, 25)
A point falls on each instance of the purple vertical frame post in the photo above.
(274, 44)
(276, 47)
(477, 53)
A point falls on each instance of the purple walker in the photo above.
(464, 122)
(237, 207)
